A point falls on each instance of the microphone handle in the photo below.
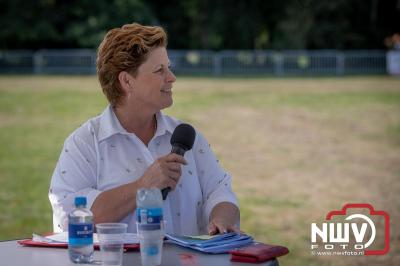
(177, 150)
(164, 192)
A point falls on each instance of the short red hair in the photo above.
(125, 49)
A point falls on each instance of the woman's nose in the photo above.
(170, 76)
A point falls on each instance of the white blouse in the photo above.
(101, 155)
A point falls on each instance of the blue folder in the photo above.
(212, 244)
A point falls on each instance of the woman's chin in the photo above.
(167, 103)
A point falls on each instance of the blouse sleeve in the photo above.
(74, 175)
(215, 182)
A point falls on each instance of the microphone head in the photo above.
(183, 136)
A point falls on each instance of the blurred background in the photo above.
(304, 96)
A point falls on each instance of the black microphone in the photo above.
(182, 140)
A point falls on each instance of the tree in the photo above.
(203, 24)
(66, 24)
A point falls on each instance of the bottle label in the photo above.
(80, 234)
(149, 215)
(152, 250)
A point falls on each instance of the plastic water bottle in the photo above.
(80, 233)
(150, 225)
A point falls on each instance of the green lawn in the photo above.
(296, 148)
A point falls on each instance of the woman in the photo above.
(128, 147)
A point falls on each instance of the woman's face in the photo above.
(152, 86)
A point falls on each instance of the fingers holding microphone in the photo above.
(175, 161)
(174, 164)
(164, 172)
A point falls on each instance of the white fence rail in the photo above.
(245, 62)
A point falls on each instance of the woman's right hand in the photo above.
(164, 172)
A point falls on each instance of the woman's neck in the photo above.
(142, 124)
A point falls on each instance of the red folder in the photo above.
(31, 243)
(257, 253)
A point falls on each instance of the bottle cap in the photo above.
(79, 201)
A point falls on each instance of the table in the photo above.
(11, 253)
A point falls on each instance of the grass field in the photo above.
(296, 148)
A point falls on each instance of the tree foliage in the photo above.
(203, 24)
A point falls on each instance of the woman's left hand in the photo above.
(224, 218)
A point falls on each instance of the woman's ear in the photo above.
(126, 82)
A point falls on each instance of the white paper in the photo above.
(130, 238)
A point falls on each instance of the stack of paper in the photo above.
(130, 238)
(60, 240)
(212, 244)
